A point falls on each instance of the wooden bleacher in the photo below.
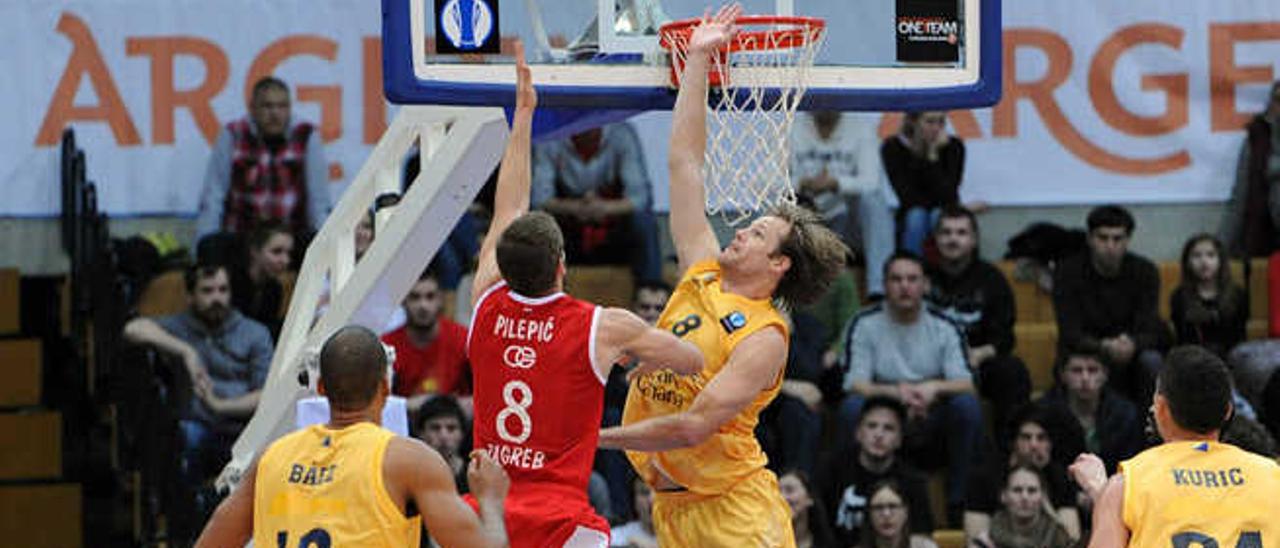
(1037, 331)
(37, 508)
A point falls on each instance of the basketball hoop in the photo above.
(760, 77)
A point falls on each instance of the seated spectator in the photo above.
(266, 167)
(1033, 445)
(1024, 519)
(256, 290)
(1208, 309)
(925, 165)
(975, 295)
(1250, 436)
(808, 518)
(227, 356)
(442, 425)
(1251, 220)
(904, 350)
(834, 166)
(596, 185)
(849, 476)
(647, 301)
(887, 514)
(1106, 301)
(790, 426)
(833, 312)
(430, 349)
(1108, 422)
(639, 532)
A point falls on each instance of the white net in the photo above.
(757, 86)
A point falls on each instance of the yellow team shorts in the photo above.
(752, 514)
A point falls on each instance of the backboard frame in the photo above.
(408, 79)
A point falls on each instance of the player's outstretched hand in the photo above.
(715, 31)
(487, 478)
(526, 96)
(1090, 473)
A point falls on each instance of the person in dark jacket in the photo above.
(1208, 309)
(925, 165)
(1106, 301)
(975, 295)
(1109, 424)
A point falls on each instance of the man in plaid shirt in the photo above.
(266, 166)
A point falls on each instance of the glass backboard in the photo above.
(876, 55)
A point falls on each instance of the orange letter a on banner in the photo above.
(85, 59)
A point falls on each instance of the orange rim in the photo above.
(798, 32)
(804, 30)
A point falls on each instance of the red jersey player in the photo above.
(540, 358)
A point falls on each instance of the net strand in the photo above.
(761, 83)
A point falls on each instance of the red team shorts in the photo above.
(538, 518)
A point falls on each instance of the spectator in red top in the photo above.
(431, 356)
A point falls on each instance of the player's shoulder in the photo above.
(407, 456)
(283, 446)
(704, 269)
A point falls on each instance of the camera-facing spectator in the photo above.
(443, 426)
(1109, 423)
(905, 350)
(1025, 519)
(267, 166)
(1033, 445)
(1208, 309)
(887, 516)
(256, 289)
(1106, 301)
(431, 358)
(849, 475)
(975, 295)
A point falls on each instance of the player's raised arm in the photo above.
(754, 366)
(694, 239)
(623, 334)
(511, 198)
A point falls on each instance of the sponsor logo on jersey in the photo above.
(519, 357)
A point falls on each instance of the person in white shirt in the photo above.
(835, 163)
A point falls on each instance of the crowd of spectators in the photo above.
(902, 372)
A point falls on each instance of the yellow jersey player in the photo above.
(1191, 491)
(352, 483)
(691, 438)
